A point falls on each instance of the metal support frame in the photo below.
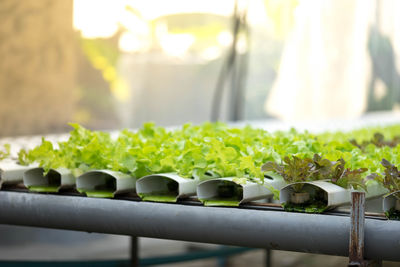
(268, 229)
(357, 223)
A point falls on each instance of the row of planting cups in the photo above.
(169, 187)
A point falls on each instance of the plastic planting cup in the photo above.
(165, 187)
(391, 205)
(105, 183)
(321, 195)
(228, 192)
(55, 180)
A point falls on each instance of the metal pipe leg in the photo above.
(134, 251)
(356, 244)
(268, 259)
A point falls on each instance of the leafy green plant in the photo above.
(5, 152)
(393, 214)
(377, 140)
(216, 150)
(192, 151)
(292, 170)
(295, 170)
(309, 207)
(391, 179)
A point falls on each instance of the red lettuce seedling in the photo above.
(307, 169)
(378, 140)
(392, 176)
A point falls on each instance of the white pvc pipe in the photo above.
(207, 191)
(334, 195)
(90, 181)
(35, 180)
(155, 187)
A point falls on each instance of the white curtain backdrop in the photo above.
(325, 67)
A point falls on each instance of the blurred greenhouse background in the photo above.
(113, 64)
(163, 64)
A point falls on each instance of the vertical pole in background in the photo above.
(134, 251)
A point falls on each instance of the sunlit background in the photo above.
(113, 64)
(170, 55)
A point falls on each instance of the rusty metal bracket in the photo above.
(356, 244)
